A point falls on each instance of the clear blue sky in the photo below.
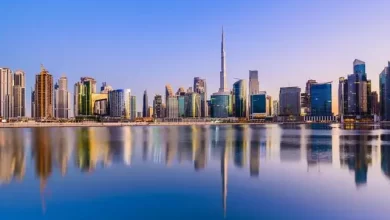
(147, 44)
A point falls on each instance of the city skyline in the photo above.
(254, 40)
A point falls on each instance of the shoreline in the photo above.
(118, 124)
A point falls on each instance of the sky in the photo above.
(148, 44)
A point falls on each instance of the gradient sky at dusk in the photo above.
(147, 44)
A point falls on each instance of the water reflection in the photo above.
(246, 148)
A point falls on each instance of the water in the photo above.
(194, 172)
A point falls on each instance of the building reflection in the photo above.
(290, 146)
(61, 151)
(12, 155)
(201, 154)
(385, 160)
(254, 161)
(319, 149)
(127, 145)
(240, 146)
(145, 143)
(171, 144)
(355, 153)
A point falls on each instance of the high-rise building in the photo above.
(258, 104)
(384, 91)
(105, 88)
(305, 97)
(145, 105)
(43, 95)
(19, 94)
(375, 110)
(223, 78)
(133, 107)
(150, 112)
(172, 107)
(119, 103)
(83, 96)
(168, 93)
(343, 96)
(33, 107)
(221, 105)
(200, 87)
(269, 105)
(253, 82)
(289, 101)
(181, 92)
(240, 99)
(321, 99)
(157, 106)
(359, 89)
(61, 99)
(192, 105)
(6, 93)
(275, 108)
(181, 106)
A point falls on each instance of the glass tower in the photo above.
(239, 98)
(321, 99)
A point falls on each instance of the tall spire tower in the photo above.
(222, 79)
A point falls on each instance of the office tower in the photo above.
(181, 92)
(83, 98)
(19, 94)
(359, 89)
(43, 95)
(223, 79)
(163, 110)
(275, 108)
(343, 96)
(157, 106)
(133, 107)
(384, 91)
(269, 105)
(150, 112)
(33, 108)
(172, 107)
(221, 105)
(181, 106)
(119, 103)
(139, 114)
(168, 93)
(61, 98)
(239, 99)
(253, 82)
(321, 99)
(105, 88)
(305, 97)
(6, 93)
(289, 101)
(375, 110)
(258, 105)
(200, 87)
(192, 105)
(145, 105)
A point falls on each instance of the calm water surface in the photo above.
(195, 172)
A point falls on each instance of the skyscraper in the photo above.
(289, 101)
(172, 107)
(119, 102)
(253, 82)
(223, 80)
(305, 97)
(321, 99)
(19, 94)
(33, 108)
(269, 105)
(384, 91)
(258, 104)
(133, 107)
(374, 103)
(192, 105)
(83, 98)
(105, 88)
(61, 99)
(275, 108)
(240, 99)
(200, 87)
(145, 105)
(6, 93)
(43, 95)
(343, 96)
(157, 106)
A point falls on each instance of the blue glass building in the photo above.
(239, 99)
(221, 104)
(321, 99)
(258, 104)
(182, 107)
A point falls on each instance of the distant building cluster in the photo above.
(245, 101)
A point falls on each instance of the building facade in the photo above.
(61, 99)
(221, 105)
(275, 108)
(145, 105)
(83, 97)
(157, 107)
(258, 105)
(321, 99)
(200, 87)
(6, 93)
(343, 96)
(305, 97)
(375, 109)
(240, 99)
(172, 107)
(289, 101)
(384, 91)
(19, 94)
(133, 107)
(192, 105)
(119, 103)
(43, 95)
(254, 87)
(269, 106)
(181, 106)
